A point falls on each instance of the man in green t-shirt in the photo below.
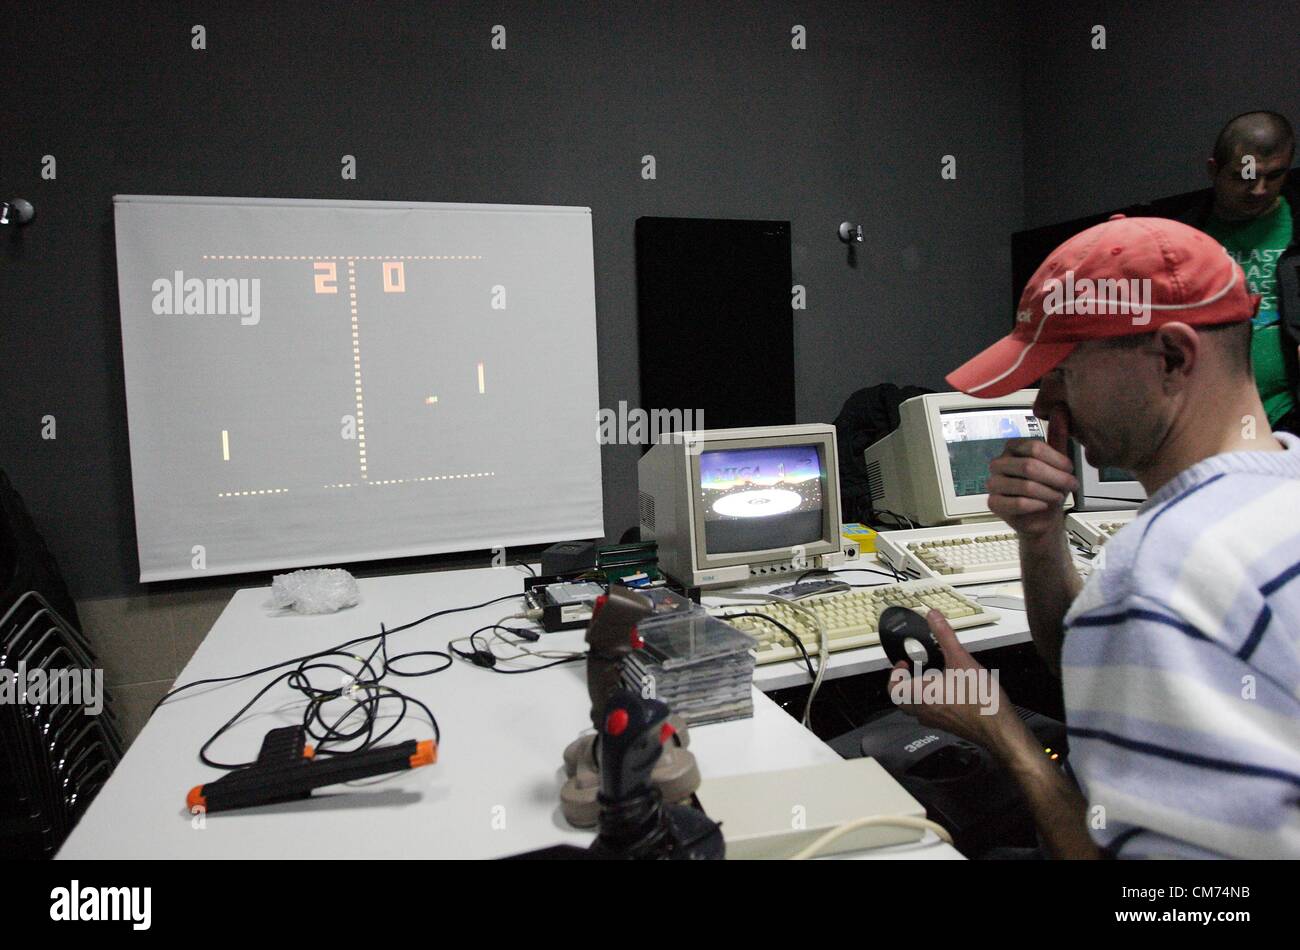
(1252, 214)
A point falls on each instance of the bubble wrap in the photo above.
(315, 592)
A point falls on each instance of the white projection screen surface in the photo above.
(324, 382)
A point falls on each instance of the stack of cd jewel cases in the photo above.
(702, 667)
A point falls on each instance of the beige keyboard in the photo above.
(964, 555)
(1092, 529)
(981, 553)
(851, 618)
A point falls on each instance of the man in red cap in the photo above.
(1180, 657)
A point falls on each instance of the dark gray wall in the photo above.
(1136, 121)
(741, 125)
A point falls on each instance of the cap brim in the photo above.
(1006, 366)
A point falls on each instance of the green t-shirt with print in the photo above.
(1256, 245)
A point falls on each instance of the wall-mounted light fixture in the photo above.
(16, 212)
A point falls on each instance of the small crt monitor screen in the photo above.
(975, 437)
(1109, 474)
(761, 498)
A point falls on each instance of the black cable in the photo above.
(544, 666)
(484, 658)
(329, 651)
(845, 570)
(892, 575)
(898, 519)
(812, 674)
(362, 690)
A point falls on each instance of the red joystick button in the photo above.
(637, 642)
(666, 732)
(616, 722)
(601, 601)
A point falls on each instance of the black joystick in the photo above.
(635, 824)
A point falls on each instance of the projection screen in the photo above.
(323, 382)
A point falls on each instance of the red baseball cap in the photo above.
(1120, 278)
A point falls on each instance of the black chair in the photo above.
(54, 754)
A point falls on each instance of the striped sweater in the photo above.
(1181, 667)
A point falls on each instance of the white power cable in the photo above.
(896, 821)
(823, 640)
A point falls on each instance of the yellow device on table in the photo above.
(860, 533)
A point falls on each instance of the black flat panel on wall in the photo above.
(714, 325)
(1030, 248)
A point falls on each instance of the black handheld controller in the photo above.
(900, 624)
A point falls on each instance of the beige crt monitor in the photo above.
(1106, 488)
(933, 469)
(728, 505)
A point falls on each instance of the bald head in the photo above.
(1251, 158)
(1262, 134)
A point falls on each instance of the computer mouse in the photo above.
(810, 588)
(900, 624)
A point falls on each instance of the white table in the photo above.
(494, 790)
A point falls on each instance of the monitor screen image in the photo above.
(761, 498)
(1109, 473)
(975, 437)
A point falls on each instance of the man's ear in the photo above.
(1180, 349)
(1212, 167)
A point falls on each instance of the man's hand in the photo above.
(988, 719)
(1029, 481)
(982, 716)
